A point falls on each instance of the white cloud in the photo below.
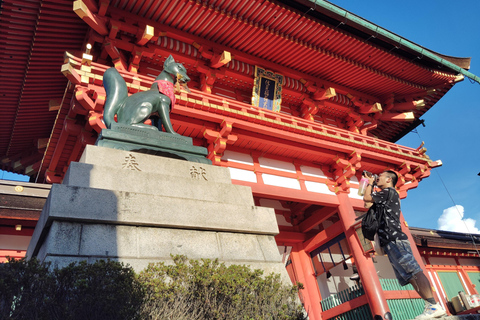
(452, 220)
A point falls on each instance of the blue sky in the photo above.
(451, 131)
(451, 134)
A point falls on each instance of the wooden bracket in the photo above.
(218, 140)
(95, 22)
(409, 105)
(146, 35)
(404, 116)
(219, 60)
(322, 94)
(346, 169)
(118, 57)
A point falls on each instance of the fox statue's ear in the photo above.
(168, 61)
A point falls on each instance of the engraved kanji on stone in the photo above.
(198, 173)
(131, 163)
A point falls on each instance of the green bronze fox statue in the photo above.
(154, 104)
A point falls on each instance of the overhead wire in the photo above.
(453, 201)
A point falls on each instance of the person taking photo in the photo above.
(395, 243)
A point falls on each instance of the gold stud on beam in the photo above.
(87, 57)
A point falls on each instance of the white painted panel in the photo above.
(354, 194)
(14, 242)
(277, 165)
(281, 181)
(313, 172)
(243, 175)
(237, 157)
(318, 187)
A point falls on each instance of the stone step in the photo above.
(104, 177)
(113, 241)
(122, 161)
(129, 208)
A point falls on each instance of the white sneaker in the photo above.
(431, 311)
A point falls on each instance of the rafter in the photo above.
(409, 105)
(404, 116)
(207, 45)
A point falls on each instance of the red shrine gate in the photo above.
(344, 98)
(309, 169)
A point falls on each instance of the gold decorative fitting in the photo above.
(19, 188)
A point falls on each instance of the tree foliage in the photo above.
(102, 290)
(206, 289)
(185, 289)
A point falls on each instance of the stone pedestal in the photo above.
(138, 208)
(151, 141)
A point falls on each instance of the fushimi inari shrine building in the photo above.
(296, 98)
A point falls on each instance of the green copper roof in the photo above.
(401, 42)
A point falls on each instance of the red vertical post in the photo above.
(466, 278)
(415, 251)
(303, 268)
(418, 257)
(366, 269)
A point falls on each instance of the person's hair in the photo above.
(393, 176)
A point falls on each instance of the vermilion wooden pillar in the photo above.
(415, 251)
(303, 267)
(419, 259)
(366, 269)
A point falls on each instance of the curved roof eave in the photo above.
(458, 65)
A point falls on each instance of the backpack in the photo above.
(371, 220)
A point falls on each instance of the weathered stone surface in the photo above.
(138, 217)
(130, 208)
(63, 238)
(138, 162)
(184, 186)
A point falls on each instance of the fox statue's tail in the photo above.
(117, 91)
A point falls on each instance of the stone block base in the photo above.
(149, 211)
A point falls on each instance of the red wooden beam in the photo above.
(316, 218)
(405, 116)
(11, 231)
(280, 193)
(289, 238)
(323, 236)
(94, 21)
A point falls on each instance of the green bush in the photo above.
(186, 289)
(206, 289)
(102, 290)
(25, 290)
